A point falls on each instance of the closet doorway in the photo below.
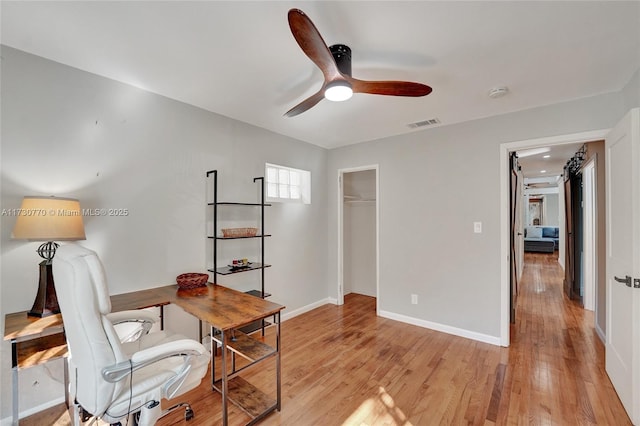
(358, 233)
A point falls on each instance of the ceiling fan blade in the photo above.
(312, 44)
(306, 104)
(391, 88)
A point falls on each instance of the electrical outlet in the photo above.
(477, 227)
(414, 299)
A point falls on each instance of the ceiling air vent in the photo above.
(423, 123)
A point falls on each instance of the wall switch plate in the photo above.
(414, 299)
(477, 227)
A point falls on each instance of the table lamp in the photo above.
(48, 219)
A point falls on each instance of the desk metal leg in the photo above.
(223, 347)
(278, 372)
(224, 387)
(67, 394)
(14, 375)
(213, 346)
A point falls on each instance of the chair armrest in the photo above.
(143, 319)
(183, 347)
(135, 315)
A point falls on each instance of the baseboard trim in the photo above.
(7, 421)
(485, 338)
(307, 308)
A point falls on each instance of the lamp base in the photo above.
(46, 302)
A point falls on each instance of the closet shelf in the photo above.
(237, 238)
(240, 204)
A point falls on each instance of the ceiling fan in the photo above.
(335, 64)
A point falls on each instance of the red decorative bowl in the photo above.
(192, 280)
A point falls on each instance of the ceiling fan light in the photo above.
(338, 91)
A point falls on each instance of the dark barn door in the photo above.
(568, 241)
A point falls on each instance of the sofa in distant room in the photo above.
(544, 239)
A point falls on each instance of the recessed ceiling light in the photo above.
(498, 92)
(543, 171)
(546, 156)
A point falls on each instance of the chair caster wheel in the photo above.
(188, 414)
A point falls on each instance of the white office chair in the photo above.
(111, 380)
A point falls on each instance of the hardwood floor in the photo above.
(342, 365)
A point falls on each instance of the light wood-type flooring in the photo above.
(342, 365)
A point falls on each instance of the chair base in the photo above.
(81, 416)
(188, 411)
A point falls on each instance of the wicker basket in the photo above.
(192, 280)
(239, 232)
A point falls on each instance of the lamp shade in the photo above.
(49, 219)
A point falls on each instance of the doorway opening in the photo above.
(506, 229)
(358, 222)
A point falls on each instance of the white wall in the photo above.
(433, 185)
(550, 205)
(66, 132)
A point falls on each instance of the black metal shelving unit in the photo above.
(227, 270)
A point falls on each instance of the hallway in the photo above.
(556, 358)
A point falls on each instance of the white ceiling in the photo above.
(537, 165)
(240, 60)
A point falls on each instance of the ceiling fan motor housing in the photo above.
(342, 56)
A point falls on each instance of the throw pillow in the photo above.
(533, 232)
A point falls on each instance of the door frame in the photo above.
(505, 149)
(341, 172)
(590, 235)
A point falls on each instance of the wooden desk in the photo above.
(38, 340)
(226, 311)
(34, 341)
(141, 299)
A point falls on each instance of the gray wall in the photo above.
(433, 185)
(66, 132)
(631, 92)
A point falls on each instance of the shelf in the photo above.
(240, 343)
(238, 238)
(254, 326)
(246, 346)
(227, 270)
(249, 398)
(257, 293)
(239, 204)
